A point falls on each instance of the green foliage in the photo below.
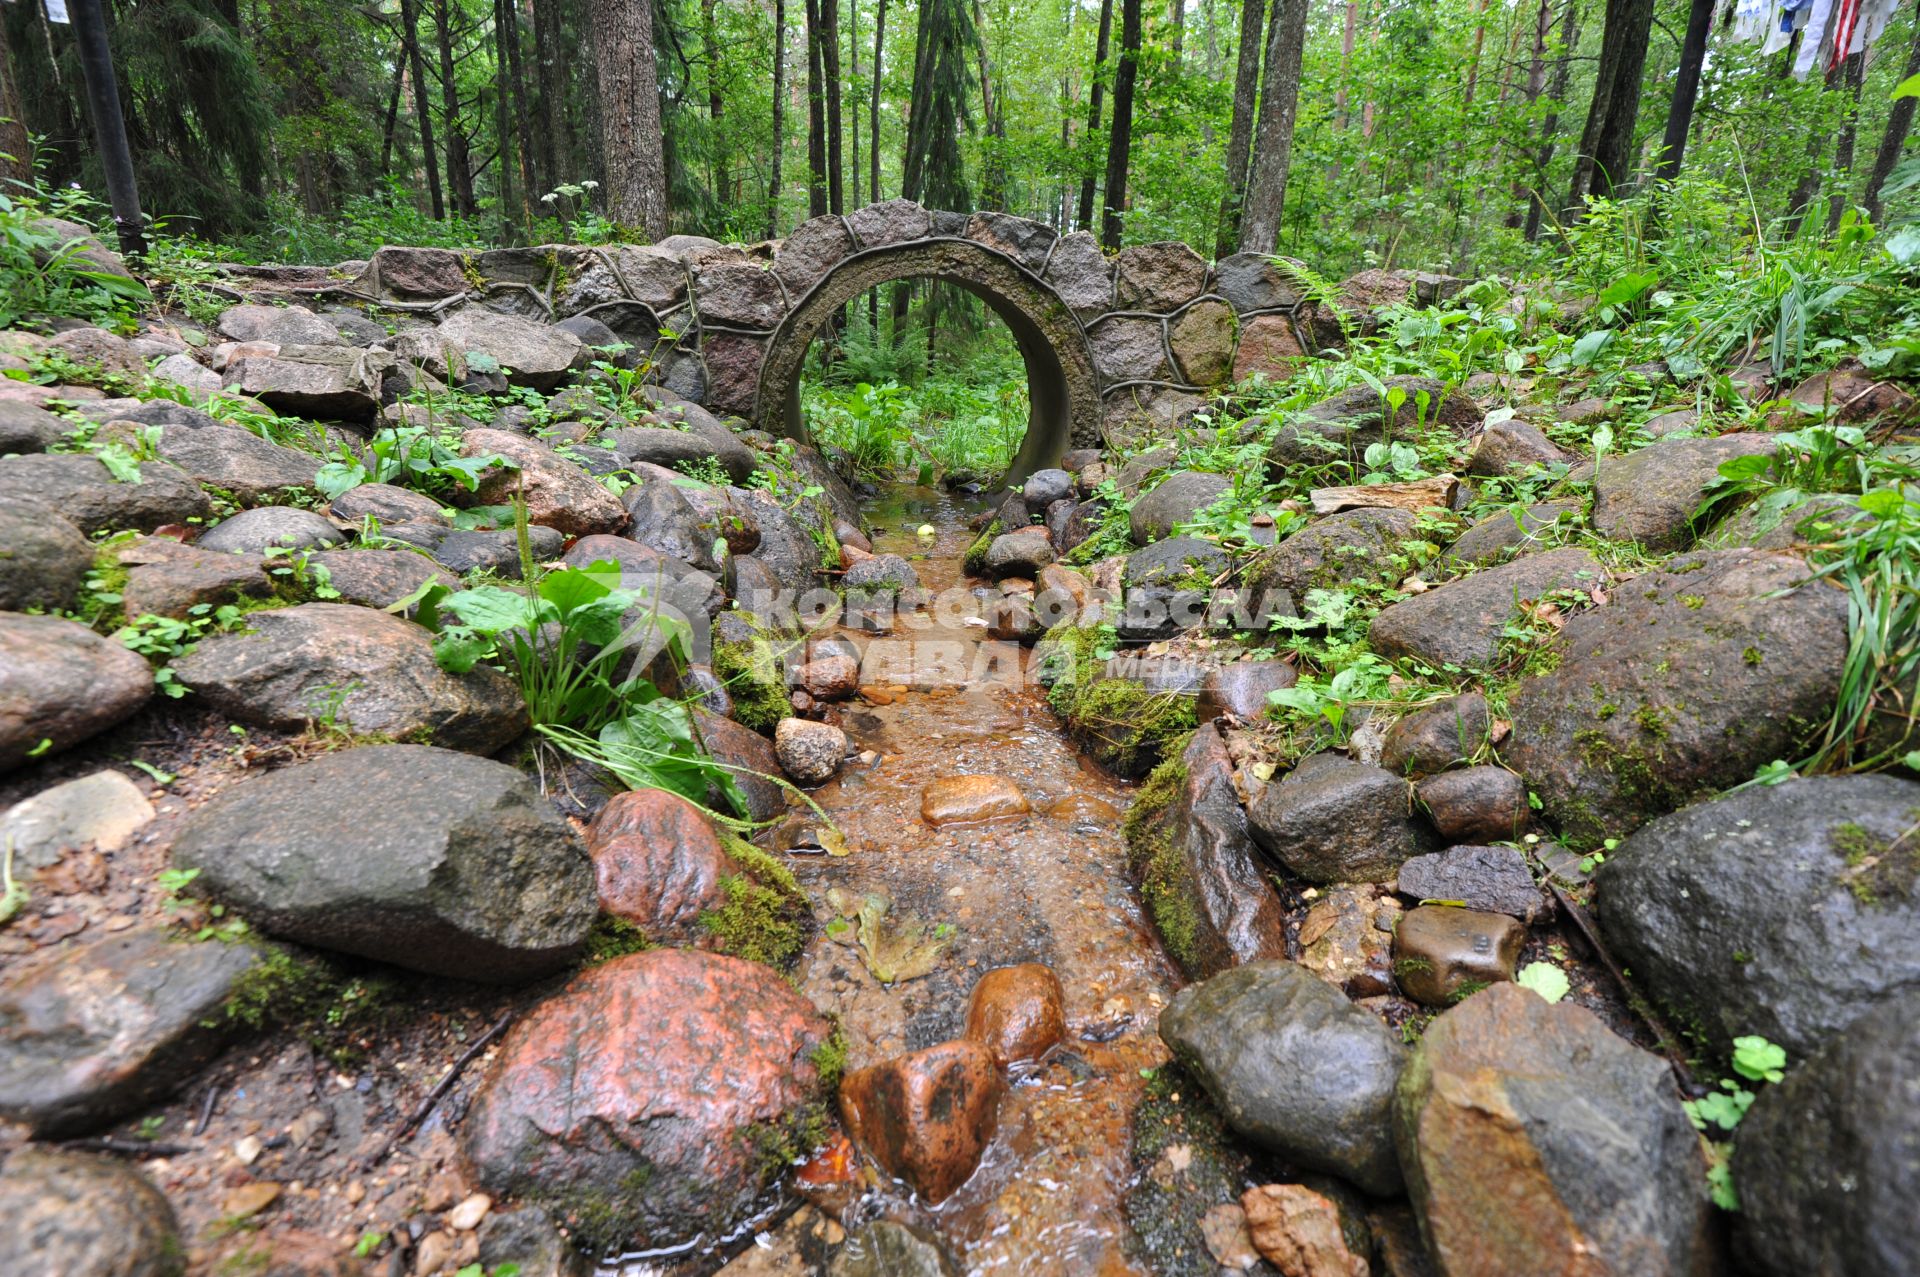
(44, 273)
(418, 457)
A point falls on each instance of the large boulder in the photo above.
(559, 494)
(1340, 428)
(61, 683)
(925, 1116)
(376, 578)
(1364, 544)
(1784, 911)
(1825, 1162)
(1687, 681)
(72, 1213)
(1650, 496)
(1462, 622)
(531, 354)
(1199, 873)
(1536, 1141)
(461, 551)
(651, 1099)
(351, 667)
(112, 1026)
(459, 867)
(664, 520)
(332, 382)
(271, 527)
(281, 325)
(237, 460)
(25, 427)
(1332, 819)
(43, 559)
(87, 495)
(1172, 501)
(1294, 1067)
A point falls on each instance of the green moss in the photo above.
(764, 917)
(320, 997)
(830, 1058)
(1693, 602)
(1158, 865)
(750, 671)
(974, 561)
(1752, 656)
(613, 937)
(1876, 867)
(1128, 728)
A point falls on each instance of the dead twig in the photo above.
(130, 1148)
(439, 1091)
(1637, 1004)
(206, 1109)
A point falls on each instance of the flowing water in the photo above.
(944, 700)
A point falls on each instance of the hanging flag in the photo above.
(57, 11)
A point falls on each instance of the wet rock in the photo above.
(1353, 545)
(102, 810)
(1488, 804)
(1824, 1161)
(664, 520)
(536, 355)
(724, 516)
(1442, 952)
(888, 1249)
(811, 753)
(1684, 683)
(1536, 1141)
(641, 1099)
(559, 494)
(1345, 424)
(1082, 275)
(236, 460)
(659, 865)
(1294, 1067)
(1784, 911)
(1462, 622)
(1298, 1231)
(61, 683)
(43, 559)
(753, 760)
(738, 294)
(1334, 820)
(167, 578)
(1492, 879)
(386, 503)
(833, 677)
(1849, 395)
(1347, 939)
(785, 547)
(363, 670)
(1044, 487)
(1268, 345)
(1174, 500)
(1240, 689)
(1509, 447)
(1201, 339)
(883, 574)
(1018, 1013)
(377, 578)
(1437, 736)
(1650, 496)
(26, 428)
(86, 494)
(461, 551)
(256, 531)
(967, 799)
(75, 1213)
(466, 873)
(110, 1027)
(1017, 554)
(1020, 238)
(528, 1238)
(1168, 587)
(925, 1117)
(1160, 277)
(1508, 534)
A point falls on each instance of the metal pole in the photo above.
(109, 129)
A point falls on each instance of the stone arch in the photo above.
(1063, 386)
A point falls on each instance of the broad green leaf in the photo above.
(1545, 979)
(1588, 348)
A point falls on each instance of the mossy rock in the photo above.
(1126, 726)
(766, 916)
(974, 561)
(751, 669)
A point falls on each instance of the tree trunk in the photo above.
(1809, 184)
(1856, 74)
(993, 178)
(1894, 139)
(502, 116)
(853, 87)
(16, 147)
(830, 68)
(716, 105)
(1246, 94)
(630, 135)
(10, 110)
(873, 111)
(816, 115)
(779, 114)
(1101, 48)
(1606, 144)
(1536, 83)
(1120, 141)
(1550, 127)
(1273, 146)
(1686, 89)
(1479, 45)
(459, 171)
(546, 71)
(423, 118)
(524, 121)
(1178, 20)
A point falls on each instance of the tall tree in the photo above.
(1100, 50)
(853, 88)
(1686, 88)
(873, 116)
(1246, 94)
(1810, 174)
(1273, 146)
(993, 175)
(933, 170)
(1894, 138)
(716, 103)
(459, 151)
(779, 114)
(16, 146)
(1550, 126)
(517, 79)
(1536, 84)
(1120, 140)
(1856, 74)
(555, 147)
(816, 114)
(830, 68)
(636, 181)
(423, 118)
(1606, 145)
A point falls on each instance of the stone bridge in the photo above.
(1114, 346)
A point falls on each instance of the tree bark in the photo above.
(16, 146)
(459, 169)
(1856, 74)
(1894, 138)
(816, 115)
(524, 120)
(1273, 147)
(1550, 127)
(1246, 94)
(423, 118)
(1178, 20)
(552, 113)
(1100, 50)
(1536, 83)
(853, 88)
(1479, 45)
(873, 111)
(502, 116)
(993, 178)
(1606, 144)
(10, 110)
(830, 68)
(1686, 89)
(1120, 141)
(1809, 184)
(779, 114)
(636, 183)
(716, 104)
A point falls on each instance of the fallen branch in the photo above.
(1637, 1004)
(130, 1148)
(439, 1091)
(206, 1109)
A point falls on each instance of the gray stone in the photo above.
(558, 493)
(1354, 545)
(1241, 688)
(1650, 496)
(334, 382)
(889, 222)
(185, 372)
(1438, 736)
(1017, 554)
(1331, 819)
(1493, 879)
(1294, 1067)
(664, 520)
(166, 578)
(1462, 622)
(1044, 487)
(1130, 349)
(86, 494)
(1174, 500)
(1784, 911)
(25, 427)
(419, 273)
(1159, 277)
(1024, 240)
(536, 355)
(278, 324)
(107, 1028)
(462, 551)
(102, 810)
(1081, 274)
(1252, 282)
(1510, 533)
(1824, 1162)
(1343, 426)
(652, 275)
(810, 250)
(377, 578)
(467, 871)
(1684, 683)
(61, 683)
(738, 295)
(256, 531)
(236, 460)
(386, 503)
(1201, 339)
(101, 350)
(811, 753)
(74, 1213)
(1509, 447)
(526, 1237)
(786, 549)
(1475, 804)
(43, 559)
